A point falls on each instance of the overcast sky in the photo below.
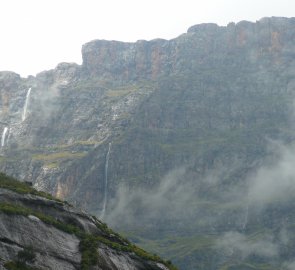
(36, 35)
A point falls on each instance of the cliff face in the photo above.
(154, 136)
(40, 232)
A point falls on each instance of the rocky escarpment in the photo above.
(212, 81)
(189, 121)
(39, 232)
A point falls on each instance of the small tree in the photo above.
(27, 255)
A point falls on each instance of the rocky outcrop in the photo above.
(54, 235)
(127, 61)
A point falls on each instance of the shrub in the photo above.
(26, 255)
(88, 247)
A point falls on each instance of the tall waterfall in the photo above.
(3, 136)
(26, 104)
(105, 183)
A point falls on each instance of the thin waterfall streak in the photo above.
(26, 104)
(246, 217)
(3, 136)
(9, 135)
(105, 182)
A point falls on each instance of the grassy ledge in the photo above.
(88, 242)
(12, 184)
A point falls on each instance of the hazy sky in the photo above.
(38, 34)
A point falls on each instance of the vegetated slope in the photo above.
(175, 136)
(40, 232)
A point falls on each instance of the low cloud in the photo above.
(237, 245)
(275, 181)
(289, 265)
(169, 200)
(189, 203)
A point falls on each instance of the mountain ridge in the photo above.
(191, 122)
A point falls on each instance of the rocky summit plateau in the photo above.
(185, 146)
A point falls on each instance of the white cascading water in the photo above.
(3, 136)
(9, 134)
(26, 104)
(105, 183)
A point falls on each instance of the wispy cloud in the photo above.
(237, 245)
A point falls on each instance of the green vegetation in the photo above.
(247, 266)
(13, 209)
(121, 91)
(88, 85)
(178, 247)
(27, 255)
(88, 248)
(58, 155)
(52, 165)
(18, 266)
(58, 147)
(88, 244)
(104, 227)
(126, 246)
(135, 249)
(87, 142)
(53, 160)
(118, 93)
(21, 187)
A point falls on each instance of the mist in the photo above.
(275, 181)
(166, 201)
(185, 204)
(290, 265)
(239, 246)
